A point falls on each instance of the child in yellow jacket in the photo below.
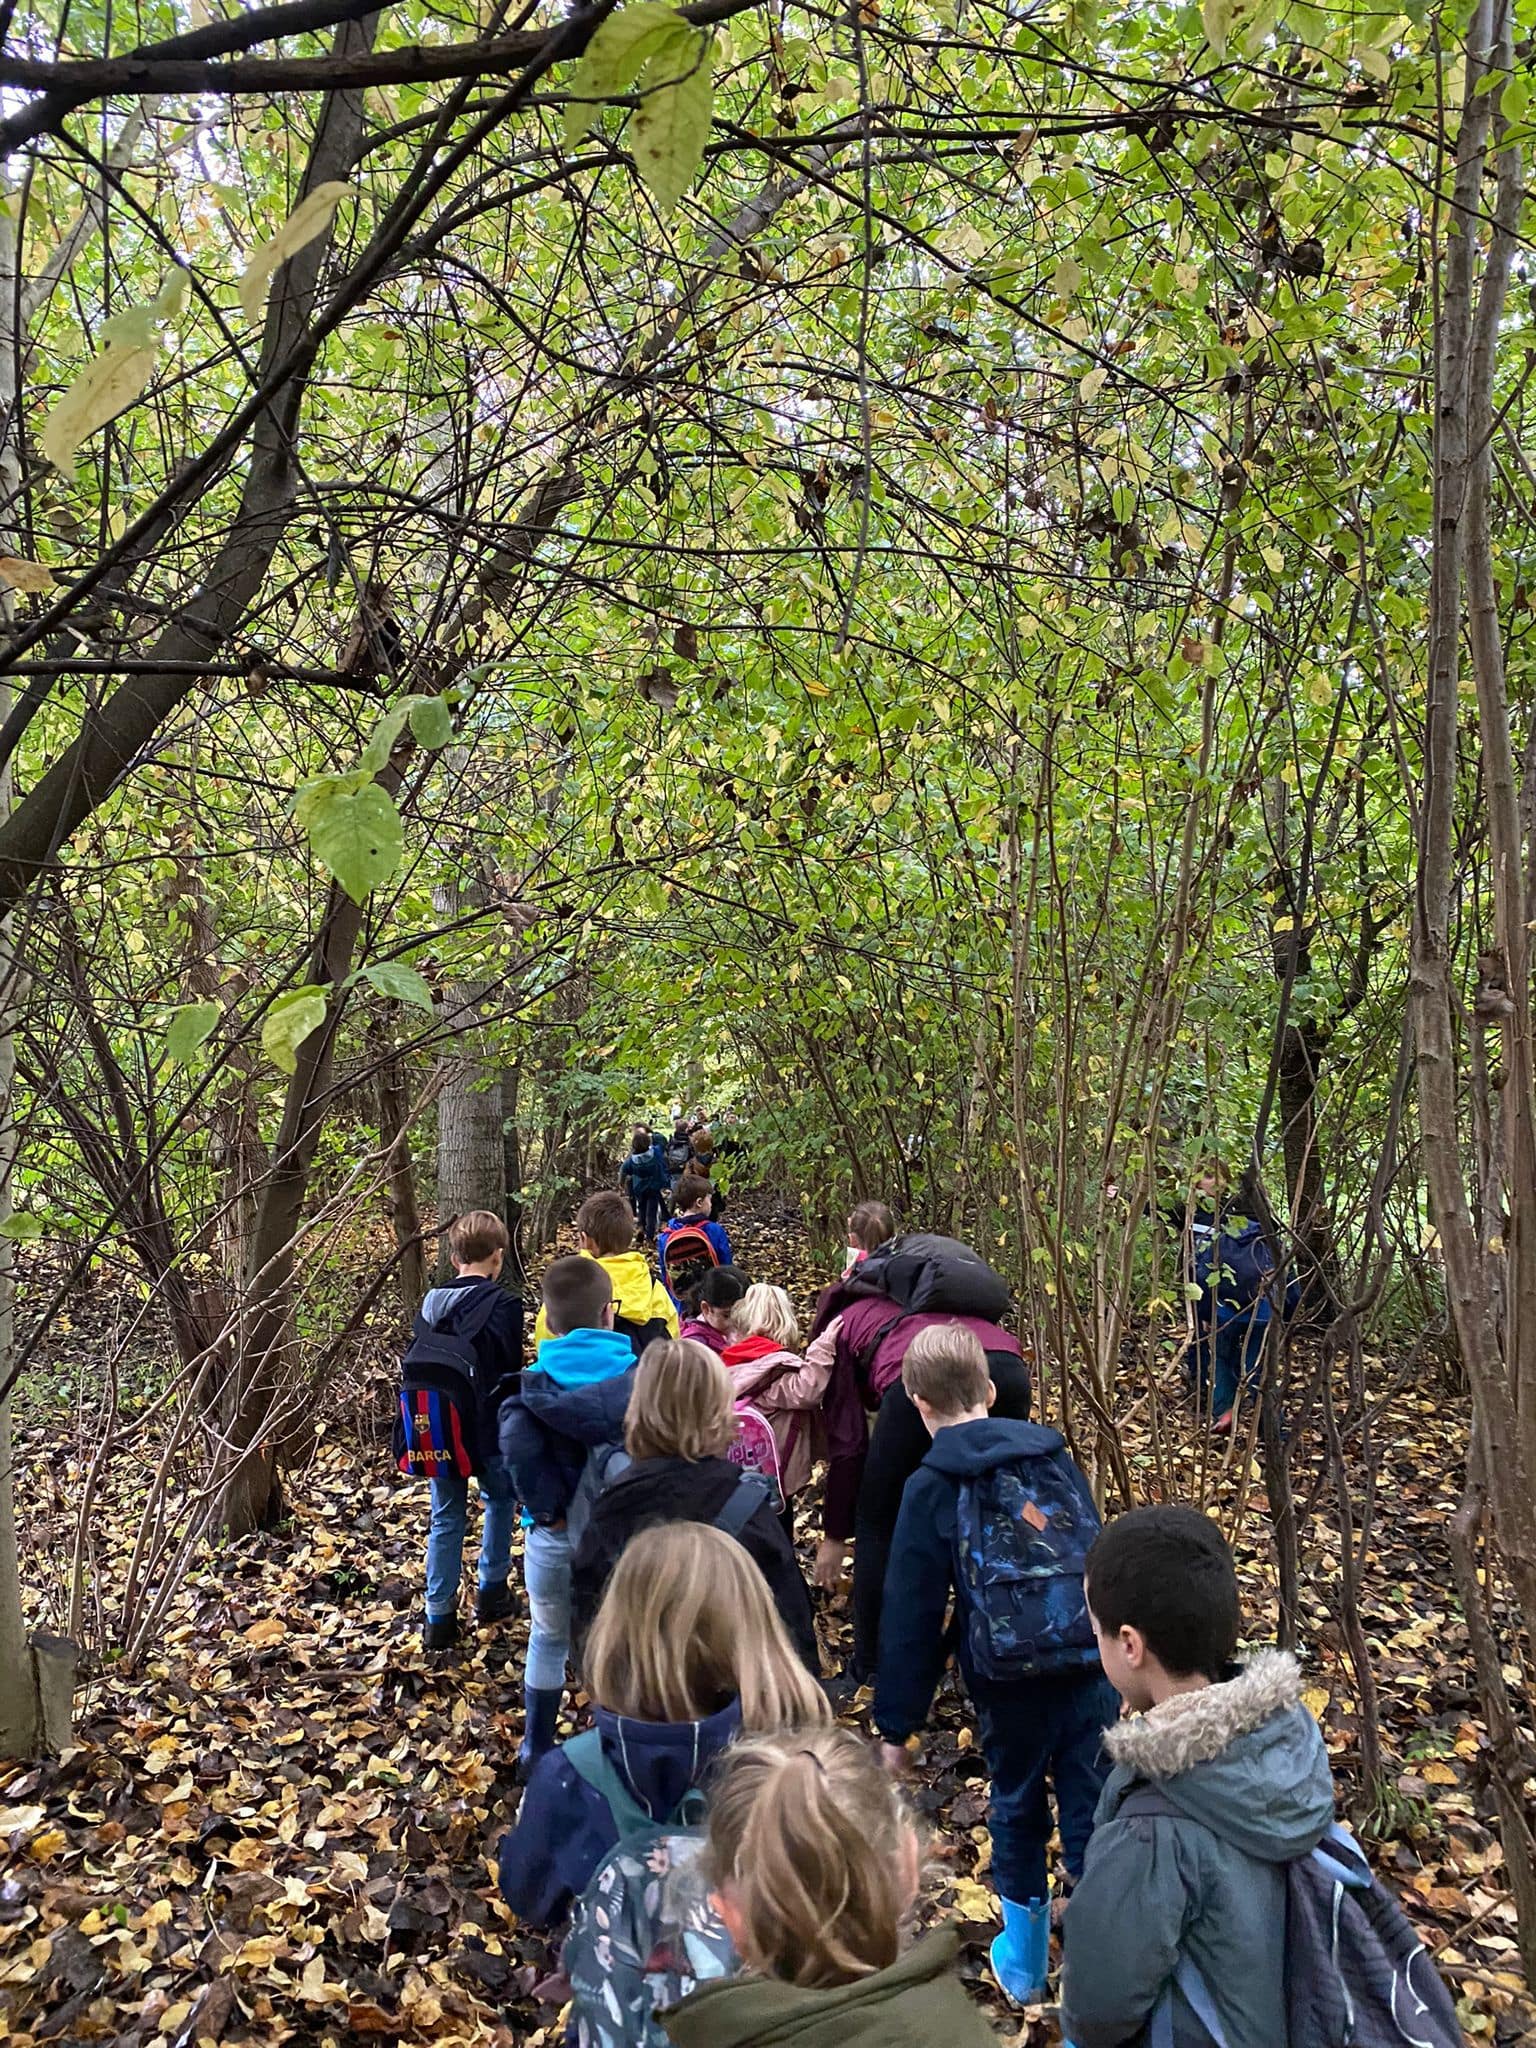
(643, 1309)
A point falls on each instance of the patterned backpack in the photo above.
(756, 1448)
(643, 1934)
(1022, 1535)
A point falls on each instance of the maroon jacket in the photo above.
(872, 1340)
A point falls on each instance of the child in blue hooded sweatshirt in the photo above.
(571, 1403)
(1050, 1723)
(686, 1653)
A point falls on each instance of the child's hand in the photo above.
(894, 1758)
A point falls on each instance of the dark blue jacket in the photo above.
(646, 1172)
(564, 1829)
(556, 1416)
(913, 1643)
(498, 1345)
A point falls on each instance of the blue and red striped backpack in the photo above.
(437, 1429)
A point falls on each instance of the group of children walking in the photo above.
(727, 1866)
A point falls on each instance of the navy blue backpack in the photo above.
(1022, 1535)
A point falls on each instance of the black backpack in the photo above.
(437, 1423)
(929, 1275)
(1234, 1265)
(654, 1330)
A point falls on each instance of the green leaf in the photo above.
(613, 60)
(22, 1228)
(381, 741)
(188, 1028)
(290, 1021)
(431, 722)
(1515, 100)
(355, 833)
(311, 217)
(671, 124)
(402, 984)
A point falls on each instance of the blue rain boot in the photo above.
(541, 1705)
(1020, 1952)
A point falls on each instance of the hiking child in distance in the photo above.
(814, 1867)
(476, 1308)
(870, 1225)
(691, 1243)
(642, 1308)
(1242, 1787)
(570, 1404)
(687, 1652)
(767, 1371)
(999, 1511)
(645, 1179)
(707, 1311)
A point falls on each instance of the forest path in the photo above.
(283, 1828)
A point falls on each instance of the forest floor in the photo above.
(282, 1827)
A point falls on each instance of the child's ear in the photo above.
(991, 1392)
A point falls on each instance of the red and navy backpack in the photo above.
(437, 1429)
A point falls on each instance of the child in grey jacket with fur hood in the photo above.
(1240, 1787)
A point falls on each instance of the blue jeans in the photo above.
(1031, 1729)
(1231, 1356)
(445, 1538)
(648, 1211)
(547, 1577)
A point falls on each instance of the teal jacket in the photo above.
(1245, 1766)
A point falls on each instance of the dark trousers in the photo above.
(898, 1444)
(648, 1210)
(1033, 1730)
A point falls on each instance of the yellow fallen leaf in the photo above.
(51, 1842)
(1315, 1699)
(973, 1901)
(269, 1631)
(1439, 1774)
(250, 1855)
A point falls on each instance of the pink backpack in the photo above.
(756, 1448)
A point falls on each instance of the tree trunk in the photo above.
(395, 1144)
(471, 1154)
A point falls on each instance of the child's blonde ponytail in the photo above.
(811, 1840)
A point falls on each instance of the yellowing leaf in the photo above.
(24, 575)
(613, 61)
(247, 1854)
(1315, 1699)
(1216, 18)
(1092, 384)
(270, 1630)
(815, 689)
(51, 1842)
(311, 217)
(1439, 1774)
(1066, 278)
(973, 1901)
(288, 1023)
(671, 124)
(881, 802)
(108, 383)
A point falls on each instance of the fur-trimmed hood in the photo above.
(1243, 1758)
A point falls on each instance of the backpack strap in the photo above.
(1197, 1997)
(588, 1759)
(751, 1492)
(864, 1358)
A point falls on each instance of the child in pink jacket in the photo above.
(707, 1312)
(763, 1359)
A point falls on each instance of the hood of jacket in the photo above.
(661, 1761)
(634, 1285)
(914, 2003)
(581, 1358)
(1243, 1758)
(700, 1332)
(589, 1412)
(442, 1304)
(966, 1449)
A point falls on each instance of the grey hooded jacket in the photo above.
(1245, 1766)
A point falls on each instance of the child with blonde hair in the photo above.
(687, 1652)
(678, 1432)
(767, 1370)
(814, 1867)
